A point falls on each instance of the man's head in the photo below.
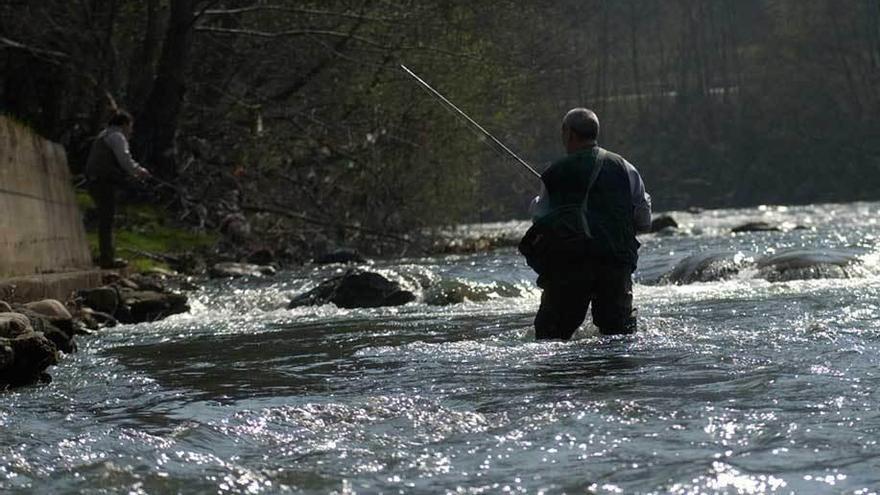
(123, 119)
(580, 129)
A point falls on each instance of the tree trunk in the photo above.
(156, 126)
(143, 63)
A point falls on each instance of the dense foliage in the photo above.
(296, 115)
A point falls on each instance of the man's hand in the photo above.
(143, 173)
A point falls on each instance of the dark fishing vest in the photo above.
(102, 165)
(609, 206)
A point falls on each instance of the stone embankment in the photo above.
(40, 229)
(45, 259)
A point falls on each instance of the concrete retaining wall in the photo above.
(41, 228)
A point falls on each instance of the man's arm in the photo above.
(117, 142)
(640, 198)
(538, 207)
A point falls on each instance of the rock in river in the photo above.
(802, 264)
(448, 292)
(141, 306)
(663, 222)
(709, 266)
(356, 289)
(755, 227)
(236, 270)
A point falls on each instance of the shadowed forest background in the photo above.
(293, 119)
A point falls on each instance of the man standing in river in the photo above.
(612, 193)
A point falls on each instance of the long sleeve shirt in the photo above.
(109, 157)
(116, 141)
(641, 199)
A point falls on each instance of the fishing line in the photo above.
(477, 126)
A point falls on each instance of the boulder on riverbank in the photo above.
(24, 353)
(50, 308)
(138, 299)
(142, 305)
(104, 299)
(356, 289)
(55, 326)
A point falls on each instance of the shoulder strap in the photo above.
(597, 165)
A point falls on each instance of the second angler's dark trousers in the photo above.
(104, 195)
(607, 287)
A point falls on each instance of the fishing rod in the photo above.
(160, 182)
(452, 106)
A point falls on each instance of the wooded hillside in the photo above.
(298, 109)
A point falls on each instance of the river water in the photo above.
(736, 386)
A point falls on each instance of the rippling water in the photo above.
(740, 386)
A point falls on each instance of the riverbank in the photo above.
(41, 315)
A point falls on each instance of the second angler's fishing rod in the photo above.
(452, 106)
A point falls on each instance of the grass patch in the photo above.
(18, 120)
(84, 200)
(143, 229)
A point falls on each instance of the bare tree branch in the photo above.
(287, 33)
(8, 43)
(292, 10)
(307, 219)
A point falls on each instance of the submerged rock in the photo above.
(799, 264)
(707, 267)
(663, 222)
(143, 306)
(94, 320)
(356, 289)
(449, 292)
(802, 264)
(237, 270)
(756, 227)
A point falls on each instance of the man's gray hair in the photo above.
(583, 122)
